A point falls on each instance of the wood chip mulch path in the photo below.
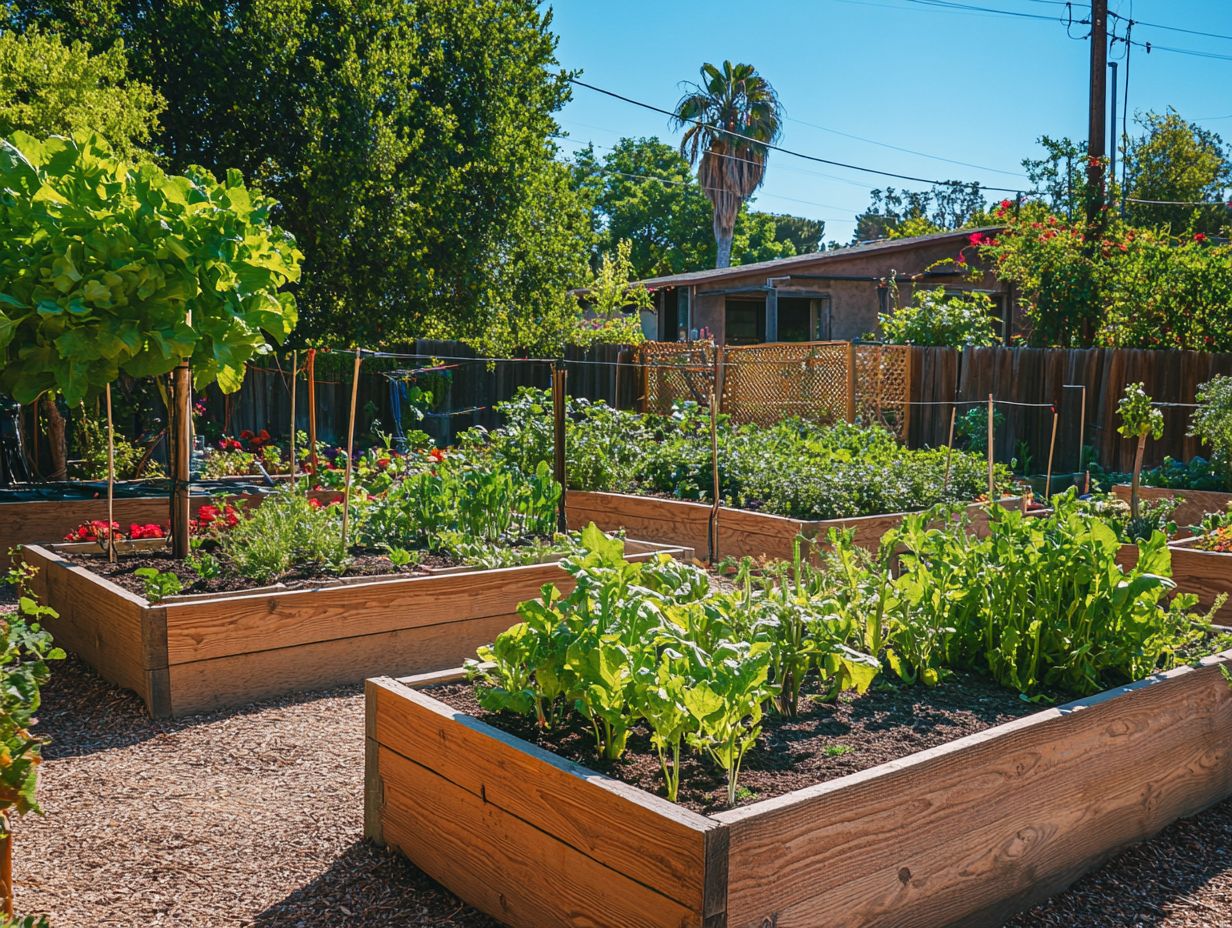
(254, 818)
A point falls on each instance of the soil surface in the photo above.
(824, 741)
(363, 564)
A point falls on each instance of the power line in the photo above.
(786, 151)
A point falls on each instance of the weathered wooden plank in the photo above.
(201, 686)
(973, 830)
(1195, 503)
(198, 631)
(494, 860)
(636, 833)
(1206, 573)
(103, 626)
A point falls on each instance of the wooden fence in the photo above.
(1055, 377)
(466, 390)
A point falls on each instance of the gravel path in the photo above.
(251, 818)
(254, 818)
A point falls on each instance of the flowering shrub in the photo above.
(94, 530)
(1134, 288)
(238, 457)
(935, 317)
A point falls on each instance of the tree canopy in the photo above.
(103, 260)
(643, 192)
(409, 146)
(48, 86)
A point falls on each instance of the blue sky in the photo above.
(957, 84)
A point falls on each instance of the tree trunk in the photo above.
(1133, 487)
(57, 443)
(724, 240)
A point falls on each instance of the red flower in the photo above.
(314, 502)
(150, 530)
(437, 455)
(246, 434)
(976, 238)
(1199, 236)
(382, 463)
(1006, 204)
(207, 514)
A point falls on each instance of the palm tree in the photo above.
(732, 115)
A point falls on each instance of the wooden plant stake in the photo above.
(1052, 447)
(6, 865)
(990, 456)
(311, 373)
(1082, 440)
(346, 493)
(111, 545)
(714, 465)
(294, 375)
(949, 450)
(181, 419)
(559, 381)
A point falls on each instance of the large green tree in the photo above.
(1180, 161)
(729, 119)
(408, 142)
(642, 191)
(51, 86)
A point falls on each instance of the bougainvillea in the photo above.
(1134, 288)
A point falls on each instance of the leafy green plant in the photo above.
(203, 564)
(1212, 422)
(158, 584)
(285, 531)
(971, 428)
(26, 647)
(1139, 420)
(935, 317)
(103, 261)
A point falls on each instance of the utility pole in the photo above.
(1097, 130)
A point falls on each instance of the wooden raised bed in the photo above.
(193, 654)
(1207, 573)
(1197, 503)
(963, 834)
(741, 532)
(48, 521)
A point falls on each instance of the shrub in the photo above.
(1212, 422)
(287, 530)
(934, 317)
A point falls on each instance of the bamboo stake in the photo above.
(1052, 446)
(559, 410)
(311, 373)
(949, 449)
(1082, 439)
(990, 455)
(346, 493)
(6, 864)
(294, 375)
(713, 553)
(111, 546)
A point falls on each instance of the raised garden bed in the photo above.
(1196, 504)
(965, 833)
(192, 654)
(741, 532)
(46, 521)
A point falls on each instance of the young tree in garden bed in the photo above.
(1140, 420)
(110, 266)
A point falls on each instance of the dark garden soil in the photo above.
(824, 741)
(363, 564)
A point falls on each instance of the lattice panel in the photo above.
(767, 383)
(675, 372)
(883, 386)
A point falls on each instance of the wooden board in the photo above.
(742, 533)
(640, 835)
(612, 836)
(972, 831)
(101, 623)
(1206, 573)
(202, 686)
(1197, 503)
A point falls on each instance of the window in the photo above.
(745, 322)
